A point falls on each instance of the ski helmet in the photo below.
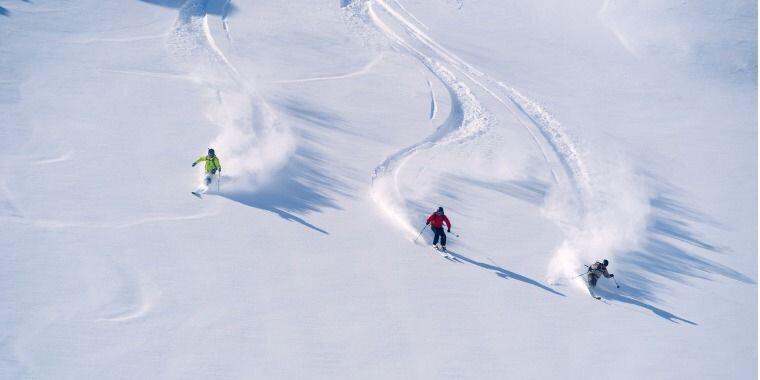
(211, 152)
(440, 209)
(605, 262)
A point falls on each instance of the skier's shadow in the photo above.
(676, 249)
(659, 312)
(503, 273)
(274, 200)
(303, 186)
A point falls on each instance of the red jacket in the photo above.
(437, 220)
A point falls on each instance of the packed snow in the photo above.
(554, 134)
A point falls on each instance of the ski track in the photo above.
(145, 73)
(139, 289)
(545, 131)
(559, 142)
(225, 23)
(191, 33)
(53, 160)
(365, 69)
(433, 104)
(86, 41)
(412, 16)
(467, 119)
(149, 219)
(576, 207)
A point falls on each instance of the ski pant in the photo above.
(209, 176)
(438, 231)
(592, 279)
(207, 179)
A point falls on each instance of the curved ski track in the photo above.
(468, 118)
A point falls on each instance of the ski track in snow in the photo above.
(385, 184)
(412, 16)
(225, 23)
(433, 104)
(85, 41)
(365, 69)
(146, 219)
(467, 119)
(149, 74)
(53, 160)
(141, 292)
(576, 208)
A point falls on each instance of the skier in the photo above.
(597, 270)
(436, 220)
(212, 166)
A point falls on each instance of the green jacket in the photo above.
(211, 163)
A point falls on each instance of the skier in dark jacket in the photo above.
(597, 270)
(436, 221)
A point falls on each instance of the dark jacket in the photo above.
(598, 269)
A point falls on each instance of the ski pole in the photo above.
(219, 181)
(616, 283)
(567, 278)
(421, 231)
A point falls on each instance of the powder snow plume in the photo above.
(609, 219)
(252, 145)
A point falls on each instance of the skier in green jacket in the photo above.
(212, 167)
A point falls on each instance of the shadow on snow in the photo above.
(503, 273)
(614, 296)
(5, 12)
(310, 180)
(532, 191)
(212, 7)
(299, 188)
(674, 249)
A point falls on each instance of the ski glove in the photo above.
(449, 230)
(195, 163)
(612, 275)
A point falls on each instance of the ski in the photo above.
(196, 194)
(445, 254)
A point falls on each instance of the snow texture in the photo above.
(554, 134)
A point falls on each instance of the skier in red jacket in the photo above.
(436, 221)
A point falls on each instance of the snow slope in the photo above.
(554, 134)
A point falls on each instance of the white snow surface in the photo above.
(554, 133)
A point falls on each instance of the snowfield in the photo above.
(554, 134)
